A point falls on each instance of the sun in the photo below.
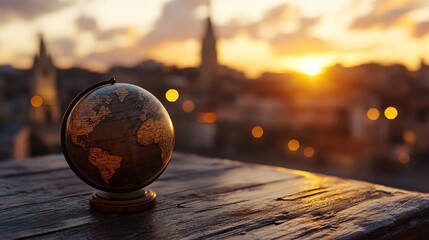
(309, 65)
(312, 68)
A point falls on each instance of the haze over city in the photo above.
(253, 36)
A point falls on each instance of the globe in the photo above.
(117, 137)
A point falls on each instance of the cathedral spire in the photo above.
(42, 46)
(43, 85)
(209, 27)
(209, 67)
(209, 52)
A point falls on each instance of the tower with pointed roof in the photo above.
(209, 66)
(45, 107)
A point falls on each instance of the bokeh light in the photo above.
(409, 137)
(309, 152)
(188, 106)
(293, 145)
(36, 101)
(207, 117)
(403, 157)
(257, 131)
(172, 95)
(391, 113)
(373, 114)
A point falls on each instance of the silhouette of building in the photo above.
(209, 66)
(44, 112)
(43, 89)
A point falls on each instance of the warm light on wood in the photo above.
(254, 201)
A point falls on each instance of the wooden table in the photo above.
(203, 198)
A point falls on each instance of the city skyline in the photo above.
(254, 37)
(367, 118)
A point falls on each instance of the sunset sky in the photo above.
(254, 35)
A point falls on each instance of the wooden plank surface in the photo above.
(201, 198)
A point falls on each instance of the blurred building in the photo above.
(14, 141)
(45, 108)
(337, 118)
(43, 89)
(423, 74)
(209, 66)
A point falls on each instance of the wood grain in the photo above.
(201, 198)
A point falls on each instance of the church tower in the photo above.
(209, 66)
(45, 107)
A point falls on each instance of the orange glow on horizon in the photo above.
(36, 101)
(248, 48)
(167, 52)
(311, 65)
(257, 131)
(312, 68)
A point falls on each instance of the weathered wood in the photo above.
(200, 198)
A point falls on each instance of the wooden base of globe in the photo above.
(131, 202)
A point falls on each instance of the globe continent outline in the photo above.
(121, 105)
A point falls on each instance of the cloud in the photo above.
(29, 9)
(177, 23)
(301, 41)
(89, 24)
(121, 55)
(274, 19)
(296, 42)
(386, 13)
(63, 47)
(421, 29)
(86, 23)
(281, 14)
(111, 33)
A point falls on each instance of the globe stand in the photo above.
(130, 202)
(85, 159)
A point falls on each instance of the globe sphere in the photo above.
(117, 137)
